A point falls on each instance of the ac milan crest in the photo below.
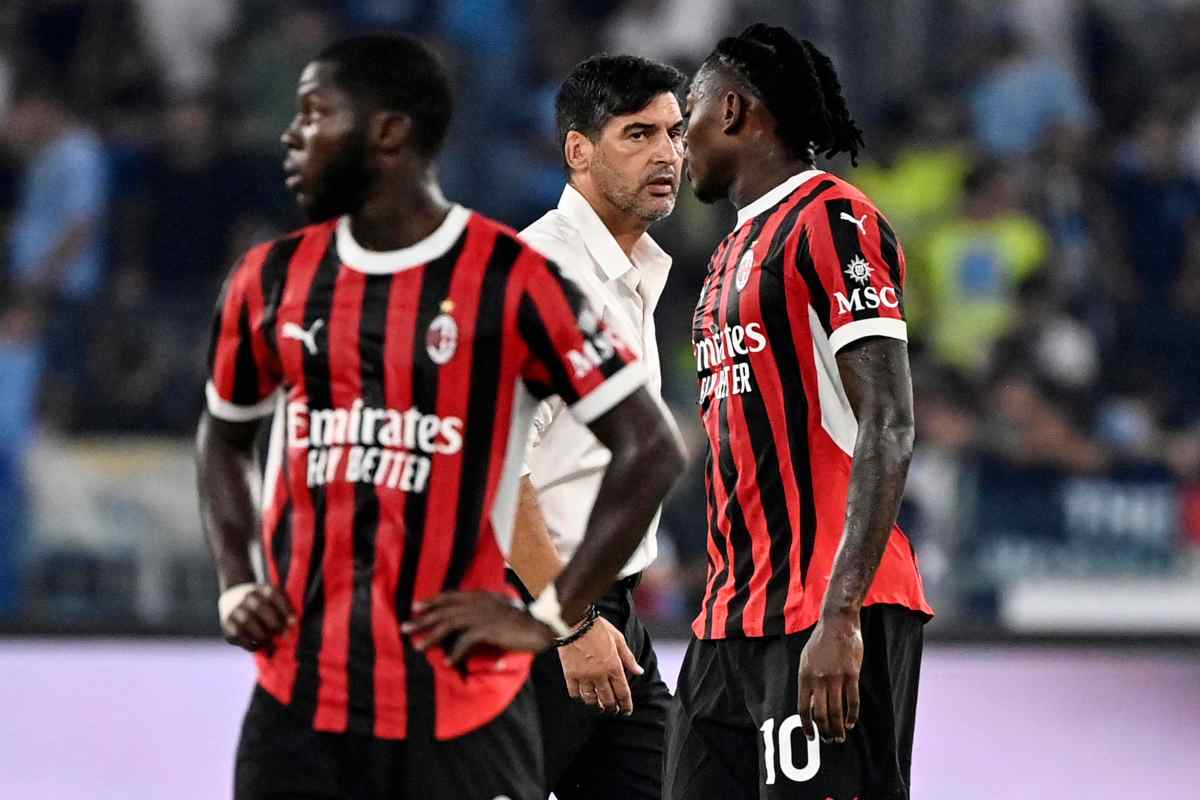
(441, 340)
(743, 270)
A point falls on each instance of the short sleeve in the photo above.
(572, 353)
(854, 269)
(243, 372)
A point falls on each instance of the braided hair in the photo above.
(798, 85)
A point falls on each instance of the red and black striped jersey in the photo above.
(810, 267)
(403, 386)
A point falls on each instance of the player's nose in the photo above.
(290, 138)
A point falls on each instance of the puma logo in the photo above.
(309, 337)
(861, 224)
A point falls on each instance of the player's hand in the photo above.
(262, 614)
(476, 618)
(594, 666)
(829, 669)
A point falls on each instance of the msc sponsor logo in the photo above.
(867, 298)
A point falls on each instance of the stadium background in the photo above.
(1040, 160)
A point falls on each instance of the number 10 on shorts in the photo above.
(787, 765)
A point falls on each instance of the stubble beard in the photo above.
(628, 201)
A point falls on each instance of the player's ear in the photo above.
(577, 151)
(390, 131)
(733, 111)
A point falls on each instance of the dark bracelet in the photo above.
(589, 619)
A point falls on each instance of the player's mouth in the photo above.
(291, 176)
(662, 186)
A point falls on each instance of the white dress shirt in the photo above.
(565, 462)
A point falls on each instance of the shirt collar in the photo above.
(651, 261)
(772, 197)
(382, 262)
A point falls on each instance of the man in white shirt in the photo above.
(621, 131)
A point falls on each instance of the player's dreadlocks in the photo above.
(799, 86)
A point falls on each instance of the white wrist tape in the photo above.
(231, 598)
(548, 610)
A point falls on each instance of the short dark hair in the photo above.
(400, 73)
(798, 85)
(606, 86)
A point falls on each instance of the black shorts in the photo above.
(734, 731)
(280, 756)
(595, 756)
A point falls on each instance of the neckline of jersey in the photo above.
(752, 210)
(383, 262)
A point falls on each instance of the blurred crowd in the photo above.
(1039, 159)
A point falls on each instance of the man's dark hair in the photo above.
(605, 86)
(798, 85)
(399, 73)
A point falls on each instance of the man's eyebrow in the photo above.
(634, 127)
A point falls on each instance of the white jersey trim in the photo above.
(504, 507)
(837, 416)
(749, 212)
(221, 408)
(860, 329)
(385, 262)
(622, 383)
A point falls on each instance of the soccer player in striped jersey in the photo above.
(814, 607)
(402, 344)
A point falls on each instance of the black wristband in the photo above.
(589, 619)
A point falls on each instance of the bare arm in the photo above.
(228, 484)
(533, 557)
(878, 385)
(647, 457)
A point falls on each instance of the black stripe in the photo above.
(245, 376)
(818, 297)
(317, 371)
(372, 327)
(714, 535)
(848, 247)
(890, 248)
(718, 274)
(435, 287)
(281, 542)
(537, 337)
(272, 279)
(481, 419)
(787, 363)
(741, 539)
(772, 492)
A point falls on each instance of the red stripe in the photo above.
(716, 558)
(345, 387)
(454, 387)
(495, 682)
(244, 279)
(562, 325)
(391, 689)
(280, 670)
(872, 246)
(727, 591)
(267, 380)
(767, 383)
(796, 296)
